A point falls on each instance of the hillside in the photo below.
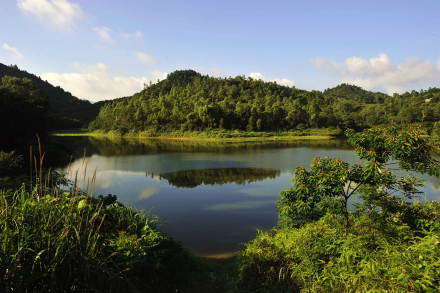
(67, 111)
(187, 101)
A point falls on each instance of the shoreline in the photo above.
(200, 136)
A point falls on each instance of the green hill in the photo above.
(67, 111)
(187, 101)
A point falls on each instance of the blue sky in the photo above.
(104, 49)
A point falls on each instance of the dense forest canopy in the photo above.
(187, 100)
(23, 111)
(67, 111)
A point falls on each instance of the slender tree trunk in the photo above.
(346, 217)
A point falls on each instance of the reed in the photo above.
(59, 238)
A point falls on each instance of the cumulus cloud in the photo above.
(378, 73)
(281, 81)
(412, 70)
(157, 75)
(61, 14)
(95, 83)
(12, 49)
(146, 58)
(361, 66)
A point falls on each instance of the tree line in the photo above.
(187, 100)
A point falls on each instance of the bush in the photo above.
(317, 258)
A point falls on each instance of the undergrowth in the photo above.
(375, 257)
(56, 240)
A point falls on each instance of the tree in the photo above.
(23, 110)
(325, 189)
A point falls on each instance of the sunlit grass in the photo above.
(211, 135)
(61, 239)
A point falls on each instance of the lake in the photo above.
(212, 195)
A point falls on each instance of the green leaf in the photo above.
(401, 276)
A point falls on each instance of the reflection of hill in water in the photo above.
(194, 178)
(117, 146)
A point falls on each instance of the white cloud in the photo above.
(412, 70)
(379, 73)
(395, 89)
(361, 66)
(281, 81)
(138, 35)
(95, 83)
(126, 36)
(58, 13)
(12, 49)
(104, 34)
(438, 64)
(157, 75)
(327, 66)
(108, 35)
(146, 58)
(212, 70)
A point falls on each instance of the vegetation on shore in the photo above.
(215, 134)
(58, 240)
(188, 101)
(387, 243)
(62, 239)
(66, 110)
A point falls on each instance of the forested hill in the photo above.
(357, 93)
(67, 111)
(186, 100)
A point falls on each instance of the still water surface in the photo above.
(212, 195)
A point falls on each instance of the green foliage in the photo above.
(23, 111)
(187, 100)
(62, 241)
(66, 110)
(331, 182)
(317, 258)
(71, 242)
(385, 244)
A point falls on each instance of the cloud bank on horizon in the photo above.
(103, 51)
(379, 72)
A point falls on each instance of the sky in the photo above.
(105, 49)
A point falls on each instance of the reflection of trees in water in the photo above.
(117, 146)
(194, 178)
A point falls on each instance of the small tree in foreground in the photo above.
(327, 188)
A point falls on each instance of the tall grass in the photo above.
(61, 239)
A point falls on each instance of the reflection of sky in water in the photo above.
(211, 218)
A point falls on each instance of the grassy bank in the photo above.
(68, 242)
(212, 135)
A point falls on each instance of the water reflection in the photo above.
(214, 195)
(194, 178)
(118, 146)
